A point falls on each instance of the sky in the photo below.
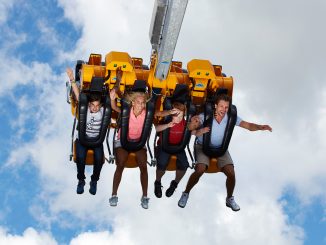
(274, 50)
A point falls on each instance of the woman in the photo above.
(136, 122)
(177, 127)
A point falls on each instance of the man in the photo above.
(93, 126)
(225, 162)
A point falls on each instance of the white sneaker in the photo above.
(183, 200)
(113, 201)
(232, 204)
(144, 202)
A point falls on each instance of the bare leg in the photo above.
(195, 176)
(179, 175)
(141, 157)
(159, 174)
(121, 158)
(228, 170)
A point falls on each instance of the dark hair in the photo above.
(179, 105)
(222, 97)
(94, 97)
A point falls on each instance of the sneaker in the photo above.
(232, 204)
(183, 200)
(157, 189)
(113, 201)
(92, 187)
(80, 187)
(144, 202)
(169, 192)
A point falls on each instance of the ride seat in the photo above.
(213, 167)
(131, 161)
(172, 165)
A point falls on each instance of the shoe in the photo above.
(92, 187)
(80, 187)
(183, 200)
(144, 202)
(113, 201)
(232, 204)
(157, 189)
(169, 192)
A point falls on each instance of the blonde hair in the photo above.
(131, 96)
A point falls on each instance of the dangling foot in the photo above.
(113, 201)
(158, 189)
(144, 202)
(92, 187)
(169, 192)
(80, 187)
(183, 200)
(232, 204)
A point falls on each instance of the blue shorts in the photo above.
(163, 158)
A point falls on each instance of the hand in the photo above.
(265, 127)
(70, 74)
(175, 112)
(119, 74)
(204, 130)
(194, 123)
(113, 94)
(171, 124)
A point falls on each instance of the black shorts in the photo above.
(163, 158)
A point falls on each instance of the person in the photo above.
(225, 162)
(176, 126)
(93, 126)
(136, 122)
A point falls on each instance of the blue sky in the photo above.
(276, 57)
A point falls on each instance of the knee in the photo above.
(183, 167)
(98, 157)
(143, 168)
(229, 173)
(160, 166)
(141, 156)
(200, 169)
(119, 168)
(80, 159)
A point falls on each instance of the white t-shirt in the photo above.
(93, 123)
(217, 130)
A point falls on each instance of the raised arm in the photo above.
(165, 113)
(254, 127)
(161, 127)
(72, 80)
(113, 96)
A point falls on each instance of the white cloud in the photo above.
(5, 5)
(110, 26)
(18, 73)
(117, 238)
(48, 35)
(30, 237)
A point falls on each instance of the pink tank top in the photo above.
(135, 125)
